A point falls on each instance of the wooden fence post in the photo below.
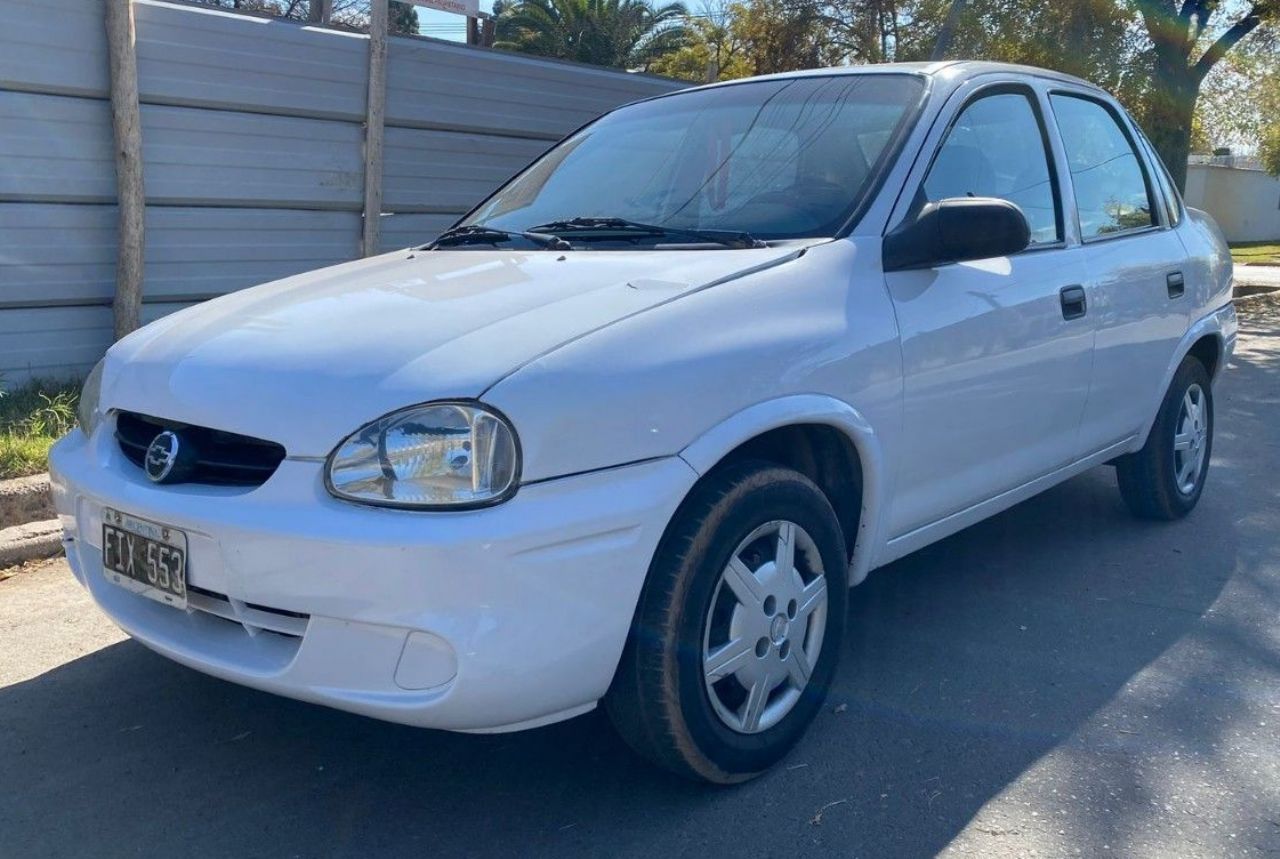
(375, 111)
(126, 123)
(320, 11)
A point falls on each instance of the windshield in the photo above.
(773, 159)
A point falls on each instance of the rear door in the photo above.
(1136, 266)
(995, 365)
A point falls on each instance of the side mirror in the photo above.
(956, 230)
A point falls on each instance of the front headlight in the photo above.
(431, 456)
(87, 408)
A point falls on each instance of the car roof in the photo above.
(950, 72)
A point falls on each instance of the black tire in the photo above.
(1148, 478)
(659, 701)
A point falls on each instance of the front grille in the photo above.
(254, 618)
(224, 458)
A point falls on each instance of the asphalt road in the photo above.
(1059, 680)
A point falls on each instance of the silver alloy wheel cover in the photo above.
(1190, 439)
(776, 629)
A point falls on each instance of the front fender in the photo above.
(714, 444)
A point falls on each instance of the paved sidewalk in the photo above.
(1258, 275)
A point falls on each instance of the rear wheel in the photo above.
(739, 625)
(1164, 480)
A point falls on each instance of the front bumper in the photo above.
(485, 620)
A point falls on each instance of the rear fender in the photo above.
(1221, 324)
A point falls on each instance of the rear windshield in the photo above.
(777, 159)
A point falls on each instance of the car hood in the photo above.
(307, 360)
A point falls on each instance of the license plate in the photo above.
(145, 557)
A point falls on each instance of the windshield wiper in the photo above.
(478, 234)
(606, 226)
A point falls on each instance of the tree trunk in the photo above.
(948, 31)
(1170, 114)
(1176, 79)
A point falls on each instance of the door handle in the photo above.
(1177, 284)
(1073, 302)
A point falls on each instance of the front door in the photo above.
(996, 360)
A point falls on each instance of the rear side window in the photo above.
(995, 148)
(1112, 195)
(1172, 209)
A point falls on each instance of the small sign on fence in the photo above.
(470, 8)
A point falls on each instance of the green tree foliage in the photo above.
(753, 37)
(714, 47)
(880, 31)
(1097, 40)
(1239, 104)
(1189, 38)
(1153, 54)
(628, 34)
(1269, 149)
(403, 19)
(784, 35)
(1087, 38)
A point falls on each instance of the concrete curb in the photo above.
(1256, 295)
(29, 542)
(25, 499)
(1256, 277)
(1249, 290)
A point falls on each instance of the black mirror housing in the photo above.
(957, 230)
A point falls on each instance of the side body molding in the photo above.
(709, 448)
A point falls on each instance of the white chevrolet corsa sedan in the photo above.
(629, 431)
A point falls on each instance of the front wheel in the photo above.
(1164, 480)
(738, 629)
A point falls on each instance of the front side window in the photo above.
(776, 159)
(995, 148)
(1111, 190)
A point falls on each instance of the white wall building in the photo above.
(1245, 201)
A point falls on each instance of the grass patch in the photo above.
(1256, 253)
(32, 418)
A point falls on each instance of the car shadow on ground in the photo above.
(964, 665)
